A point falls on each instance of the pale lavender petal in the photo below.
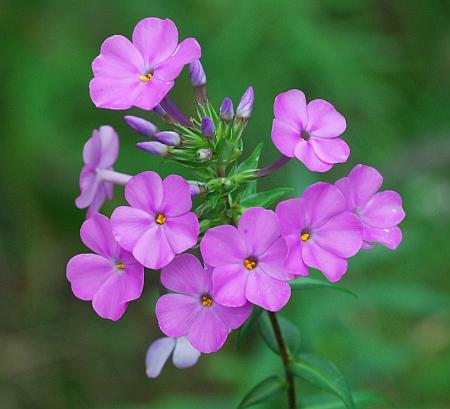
(132, 280)
(305, 153)
(129, 224)
(323, 120)
(156, 40)
(186, 275)
(272, 261)
(187, 51)
(182, 232)
(151, 93)
(145, 191)
(259, 228)
(290, 213)
(322, 201)
(223, 245)
(332, 266)
(345, 187)
(109, 145)
(290, 107)
(96, 234)
(367, 246)
(109, 300)
(229, 283)
(176, 313)
(285, 137)
(97, 201)
(294, 260)
(184, 354)
(383, 210)
(88, 187)
(391, 237)
(87, 273)
(233, 317)
(267, 292)
(157, 355)
(92, 150)
(364, 181)
(208, 332)
(333, 150)
(341, 235)
(177, 197)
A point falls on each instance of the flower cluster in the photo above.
(249, 252)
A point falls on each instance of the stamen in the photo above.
(206, 300)
(160, 219)
(305, 236)
(146, 78)
(249, 263)
(120, 266)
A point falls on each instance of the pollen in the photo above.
(146, 78)
(120, 266)
(305, 236)
(160, 219)
(249, 263)
(206, 300)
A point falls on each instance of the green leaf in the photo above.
(305, 283)
(263, 391)
(324, 374)
(252, 161)
(245, 328)
(361, 400)
(291, 334)
(265, 199)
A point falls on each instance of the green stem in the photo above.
(285, 358)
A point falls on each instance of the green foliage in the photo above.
(264, 391)
(266, 199)
(305, 283)
(248, 325)
(291, 334)
(361, 399)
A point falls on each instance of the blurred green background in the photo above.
(384, 64)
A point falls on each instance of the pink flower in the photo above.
(309, 131)
(99, 155)
(379, 212)
(194, 311)
(319, 232)
(111, 277)
(142, 72)
(159, 223)
(248, 261)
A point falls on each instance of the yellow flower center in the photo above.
(120, 266)
(249, 263)
(206, 301)
(305, 236)
(160, 219)
(146, 78)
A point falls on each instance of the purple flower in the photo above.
(207, 127)
(170, 138)
(309, 132)
(158, 223)
(110, 278)
(194, 311)
(226, 110)
(184, 354)
(245, 106)
(154, 148)
(248, 261)
(142, 72)
(99, 153)
(379, 212)
(197, 73)
(141, 125)
(319, 232)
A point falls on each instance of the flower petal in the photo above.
(176, 312)
(332, 150)
(182, 231)
(109, 302)
(208, 332)
(92, 150)
(186, 275)
(364, 182)
(267, 292)
(290, 213)
(184, 354)
(272, 261)
(332, 266)
(88, 187)
(323, 120)
(177, 197)
(294, 260)
(96, 234)
(145, 191)
(151, 93)
(157, 355)
(284, 137)
(305, 153)
(223, 245)
(109, 146)
(390, 238)
(290, 107)
(383, 210)
(229, 283)
(233, 317)
(97, 200)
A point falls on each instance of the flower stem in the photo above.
(285, 358)
(172, 109)
(114, 177)
(278, 164)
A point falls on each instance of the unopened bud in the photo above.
(154, 148)
(194, 190)
(141, 125)
(226, 110)
(207, 127)
(204, 154)
(168, 138)
(245, 106)
(197, 73)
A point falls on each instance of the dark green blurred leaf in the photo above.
(266, 199)
(291, 333)
(361, 400)
(252, 161)
(305, 283)
(324, 374)
(264, 391)
(245, 328)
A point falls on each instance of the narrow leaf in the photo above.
(324, 374)
(291, 334)
(362, 399)
(266, 390)
(305, 283)
(266, 199)
(252, 161)
(245, 328)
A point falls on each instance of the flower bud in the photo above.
(226, 110)
(154, 148)
(194, 189)
(197, 73)
(168, 138)
(207, 127)
(245, 106)
(140, 125)
(204, 154)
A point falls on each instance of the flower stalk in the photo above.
(277, 165)
(107, 175)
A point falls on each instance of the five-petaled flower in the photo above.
(158, 223)
(310, 132)
(248, 261)
(194, 310)
(110, 278)
(379, 212)
(319, 231)
(142, 72)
